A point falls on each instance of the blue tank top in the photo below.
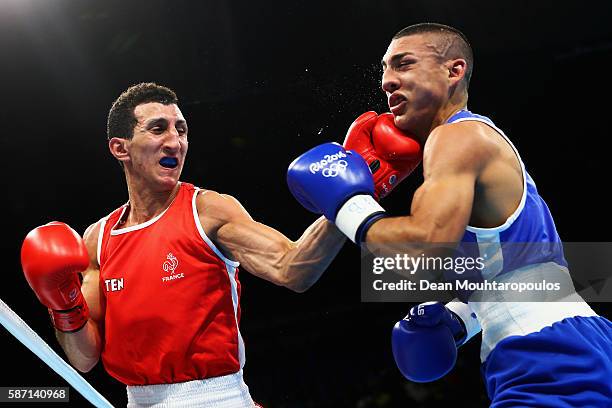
(527, 237)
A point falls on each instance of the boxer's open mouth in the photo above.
(169, 162)
(396, 99)
(397, 103)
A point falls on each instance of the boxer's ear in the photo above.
(457, 69)
(118, 148)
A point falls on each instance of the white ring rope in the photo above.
(18, 328)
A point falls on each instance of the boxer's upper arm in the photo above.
(453, 159)
(91, 288)
(259, 249)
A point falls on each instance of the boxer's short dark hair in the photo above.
(461, 46)
(121, 120)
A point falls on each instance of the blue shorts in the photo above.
(568, 364)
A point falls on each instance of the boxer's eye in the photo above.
(405, 64)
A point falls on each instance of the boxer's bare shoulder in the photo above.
(468, 143)
(91, 276)
(217, 209)
(91, 236)
(478, 147)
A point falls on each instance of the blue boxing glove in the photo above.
(425, 342)
(337, 183)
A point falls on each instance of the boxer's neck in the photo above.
(146, 204)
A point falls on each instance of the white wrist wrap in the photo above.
(465, 313)
(354, 212)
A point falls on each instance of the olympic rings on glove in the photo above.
(334, 169)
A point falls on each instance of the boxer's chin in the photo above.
(402, 121)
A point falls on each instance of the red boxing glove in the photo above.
(391, 154)
(52, 255)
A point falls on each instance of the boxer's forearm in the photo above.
(83, 347)
(270, 255)
(396, 234)
(310, 255)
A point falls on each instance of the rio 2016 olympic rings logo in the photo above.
(334, 169)
(331, 165)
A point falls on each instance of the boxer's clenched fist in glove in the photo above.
(337, 183)
(425, 342)
(390, 153)
(52, 255)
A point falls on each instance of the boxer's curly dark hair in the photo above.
(121, 120)
(456, 43)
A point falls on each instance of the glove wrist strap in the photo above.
(356, 212)
(466, 317)
(71, 320)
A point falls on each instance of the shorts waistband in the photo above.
(500, 319)
(155, 393)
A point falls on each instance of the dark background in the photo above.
(259, 84)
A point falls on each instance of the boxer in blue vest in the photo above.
(476, 190)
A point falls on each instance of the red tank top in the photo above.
(172, 298)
